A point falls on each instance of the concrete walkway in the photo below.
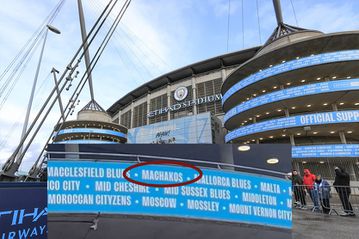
(76, 226)
(309, 225)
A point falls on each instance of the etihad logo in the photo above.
(17, 217)
(185, 104)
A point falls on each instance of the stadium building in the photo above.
(300, 88)
(183, 106)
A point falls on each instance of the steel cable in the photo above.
(83, 80)
(70, 70)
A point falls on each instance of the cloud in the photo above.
(220, 7)
(330, 16)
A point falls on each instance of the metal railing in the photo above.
(115, 157)
(327, 199)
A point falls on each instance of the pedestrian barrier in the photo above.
(327, 199)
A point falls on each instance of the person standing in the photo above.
(308, 181)
(299, 193)
(342, 186)
(322, 188)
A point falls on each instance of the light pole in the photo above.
(29, 105)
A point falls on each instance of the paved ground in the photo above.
(309, 225)
(145, 227)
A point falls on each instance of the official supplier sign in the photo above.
(23, 211)
(334, 117)
(220, 195)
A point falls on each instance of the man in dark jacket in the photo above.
(342, 186)
(298, 189)
(322, 188)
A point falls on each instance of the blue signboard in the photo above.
(349, 55)
(92, 187)
(84, 141)
(23, 210)
(194, 129)
(312, 89)
(335, 117)
(323, 151)
(92, 131)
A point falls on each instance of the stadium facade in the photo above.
(187, 92)
(300, 87)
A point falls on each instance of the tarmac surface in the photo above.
(146, 227)
(309, 225)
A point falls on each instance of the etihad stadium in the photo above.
(299, 88)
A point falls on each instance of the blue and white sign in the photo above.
(296, 121)
(23, 210)
(312, 89)
(92, 187)
(324, 151)
(92, 131)
(350, 55)
(84, 141)
(194, 129)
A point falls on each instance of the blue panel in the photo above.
(23, 210)
(92, 187)
(296, 121)
(323, 151)
(92, 131)
(84, 141)
(194, 129)
(350, 55)
(312, 89)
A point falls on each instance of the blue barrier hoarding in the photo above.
(84, 141)
(194, 129)
(349, 55)
(335, 117)
(311, 89)
(23, 210)
(92, 187)
(92, 131)
(323, 151)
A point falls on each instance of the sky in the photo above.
(154, 37)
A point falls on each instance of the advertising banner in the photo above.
(23, 210)
(323, 151)
(92, 131)
(312, 89)
(194, 129)
(220, 195)
(349, 55)
(296, 121)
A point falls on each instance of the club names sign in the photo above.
(92, 187)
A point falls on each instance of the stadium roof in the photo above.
(226, 60)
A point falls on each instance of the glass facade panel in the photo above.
(140, 115)
(194, 129)
(126, 119)
(158, 103)
(206, 89)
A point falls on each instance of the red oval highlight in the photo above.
(163, 162)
